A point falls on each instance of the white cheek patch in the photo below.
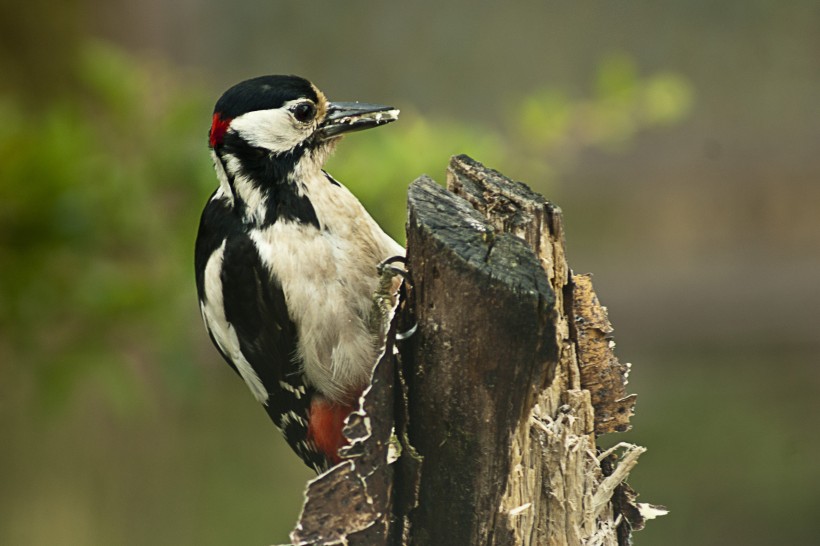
(275, 130)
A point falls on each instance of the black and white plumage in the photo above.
(286, 258)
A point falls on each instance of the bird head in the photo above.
(287, 117)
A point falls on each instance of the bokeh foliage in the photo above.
(98, 206)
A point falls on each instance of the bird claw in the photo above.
(386, 267)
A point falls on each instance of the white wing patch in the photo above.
(223, 332)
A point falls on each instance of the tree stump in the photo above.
(481, 427)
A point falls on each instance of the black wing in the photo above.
(254, 305)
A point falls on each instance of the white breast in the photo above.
(328, 276)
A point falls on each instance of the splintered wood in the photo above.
(601, 373)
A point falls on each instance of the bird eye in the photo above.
(304, 112)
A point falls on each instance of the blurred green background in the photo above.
(680, 138)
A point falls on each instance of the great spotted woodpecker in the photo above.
(286, 258)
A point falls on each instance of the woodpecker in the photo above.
(286, 259)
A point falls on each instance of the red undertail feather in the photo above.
(326, 421)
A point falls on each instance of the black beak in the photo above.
(346, 117)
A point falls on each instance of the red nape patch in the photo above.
(219, 127)
(326, 420)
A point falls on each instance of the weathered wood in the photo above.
(556, 483)
(512, 207)
(483, 350)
